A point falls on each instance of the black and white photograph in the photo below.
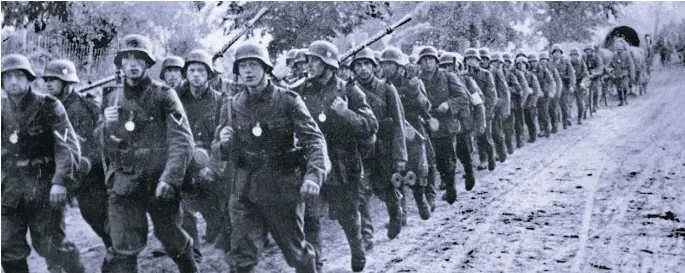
(342, 136)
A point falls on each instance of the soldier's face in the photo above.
(484, 62)
(507, 64)
(521, 66)
(197, 74)
(173, 77)
(345, 72)
(556, 54)
(575, 57)
(315, 67)
(473, 62)
(133, 67)
(389, 69)
(53, 85)
(448, 67)
(251, 72)
(15, 82)
(363, 69)
(544, 61)
(533, 64)
(494, 64)
(299, 68)
(428, 63)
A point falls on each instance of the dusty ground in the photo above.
(606, 196)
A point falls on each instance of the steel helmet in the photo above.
(544, 56)
(135, 43)
(588, 47)
(574, 51)
(522, 60)
(471, 53)
(290, 56)
(413, 58)
(300, 56)
(448, 58)
(484, 53)
(18, 62)
(393, 54)
(377, 56)
(347, 63)
(252, 51)
(62, 69)
(199, 56)
(364, 54)
(520, 54)
(533, 57)
(506, 56)
(326, 51)
(496, 57)
(458, 57)
(428, 51)
(171, 61)
(556, 47)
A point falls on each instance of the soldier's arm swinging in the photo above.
(359, 116)
(399, 145)
(67, 148)
(179, 139)
(311, 139)
(490, 93)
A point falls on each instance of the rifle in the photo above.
(374, 38)
(235, 38)
(116, 77)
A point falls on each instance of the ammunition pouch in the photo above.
(201, 158)
(403, 178)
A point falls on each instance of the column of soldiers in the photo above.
(259, 157)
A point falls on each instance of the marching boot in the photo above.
(310, 267)
(352, 228)
(71, 259)
(469, 181)
(15, 266)
(451, 191)
(421, 202)
(186, 261)
(395, 214)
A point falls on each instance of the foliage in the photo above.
(562, 21)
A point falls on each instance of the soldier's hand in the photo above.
(112, 113)
(206, 173)
(400, 166)
(443, 107)
(481, 129)
(226, 134)
(309, 188)
(165, 191)
(58, 195)
(339, 105)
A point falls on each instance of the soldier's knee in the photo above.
(14, 249)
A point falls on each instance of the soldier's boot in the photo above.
(186, 261)
(119, 263)
(312, 233)
(15, 266)
(403, 205)
(366, 222)
(395, 214)
(309, 267)
(469, 180)
(491, 159)
(249, 269)
(71, 259)
(353, 232)
(421, 202)
(451, 191)
(430, 187)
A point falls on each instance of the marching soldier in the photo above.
(513, 125)
(202, 188)
(451, 112)
(580, 68)
(548, 87)
(389, 155)
(555, 97)
(595, 66)
(346, 120)
(83, 112)
(272, 175)
(623, 68)
(421, 158)
(530, 83)
(171, 71)
(448, 62)
(486, 83)
(568, 78)
(147, 145)
(39, 153)
(503, 109)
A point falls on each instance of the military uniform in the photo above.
(464, 138)
(486, 83)
(267, 173)
(568, 80)
(514, 123)
(39, 150)
(554, 105)
(502, 112)
(581, 73)
(548, 87)
(443, 87)
(343, 186)
(622, 69)
(595, 66)
(531, 85)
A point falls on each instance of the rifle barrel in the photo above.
(245, 29)
(98, 83)
(374, 38)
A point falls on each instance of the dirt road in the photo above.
(607, 196)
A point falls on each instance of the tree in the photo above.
(297, 24)
(573, 21)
